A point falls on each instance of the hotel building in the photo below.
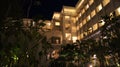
(83, 21)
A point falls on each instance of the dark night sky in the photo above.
(46, 8)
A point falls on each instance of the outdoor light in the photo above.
(118, 10)
(103, 22)
(90, 65)
(33, 23)
(105, 37)
(94, 56)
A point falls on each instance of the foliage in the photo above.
(18, 45)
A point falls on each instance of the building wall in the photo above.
(83, 22)
(88, 22)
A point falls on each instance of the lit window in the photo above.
(93, 13)
(67, 17)
(68, 36)
(91, 2)
(84, 21)
(73, 19)
(88, 17)
(117, 11)
(83, 11)
(90, 30)
(95, 27)
(87, 6)
(80, 25)
(99, 7)
(81, 35)
(74, 38)
(79, 15)
(73, 28)
(105, 2)
(57, 23)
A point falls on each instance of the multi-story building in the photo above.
(89, 16)
(83, 20)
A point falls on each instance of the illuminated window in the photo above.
(91, 2)
(73, 28)
(90, 30)
(83, 11)
(87, 6)
(84, 21)
(79, 15)
(68, 36)
(80, 25)
(73, 19)
(74, 38)
(99, 7)
(95, 27)
(117, 11)
(67, 17)
(57, 23)
(93, 13)
(81, 35)
(78, 37)
(105, 2)
(88, 17)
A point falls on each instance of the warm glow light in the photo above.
(87, 6)
(56, 15)
(95, 27)
(88, 18)
(80, 25)
(94, 56)
(57, 23)
(105, 2)
(84, 21)
(79, 15)
(67, 10)
(74, 29)
(83, 11)
(91, 2)
(74, 38)
(67, 17)
(68, 36)
(103, 22)
(55, 54)
(33, 23)
(90, 30)
(93, 13)
(99, 7)
(48, 24)
(81, 35)
(90, 66)
(118, 11)
(79, 4)
(73, 19)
